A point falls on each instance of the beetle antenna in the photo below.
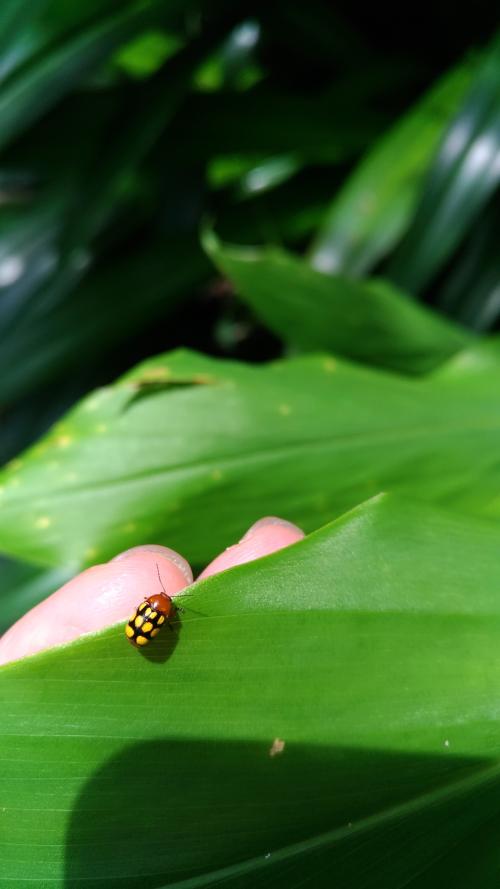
(159, 578)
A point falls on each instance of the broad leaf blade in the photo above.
(368, 321)
(358, 715)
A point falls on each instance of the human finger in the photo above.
(99, 597)
(264, 537)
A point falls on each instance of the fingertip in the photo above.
(164, 551)
(99, 597)
(264, 537)
(272, 521)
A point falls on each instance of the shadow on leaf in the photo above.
(164, 812)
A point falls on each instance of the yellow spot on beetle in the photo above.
(142, 607)
(147, 626)
(161, 619)
(141, 640)
(155, 631)
(129, 631)
(285, 410)
(139, 621)
(148, 611)
(153, 614)
(43, 522)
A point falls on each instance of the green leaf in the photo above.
(470, 291)
(331, 709)
(461, 180)
(369, 321)
(23, 586)
(374, 207)
(188, 451)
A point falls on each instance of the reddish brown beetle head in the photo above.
(163, 603)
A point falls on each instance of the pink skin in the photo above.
(107, 594)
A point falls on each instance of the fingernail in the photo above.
(271, 520)
(164, 551)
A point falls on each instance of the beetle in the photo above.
(149, 617)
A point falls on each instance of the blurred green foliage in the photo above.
(125, 127)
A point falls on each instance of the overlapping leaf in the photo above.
(369, 321)
(188, 451)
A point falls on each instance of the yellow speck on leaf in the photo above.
(154, 375)
(216, 474)
(330, 365)
(63, 441)
(285, 410)
(101, 428)
(129, 528)
(43, 521)
(94, 400)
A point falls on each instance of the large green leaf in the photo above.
(188, 450)
(369, 321)
(374, 207)
(328, 712)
